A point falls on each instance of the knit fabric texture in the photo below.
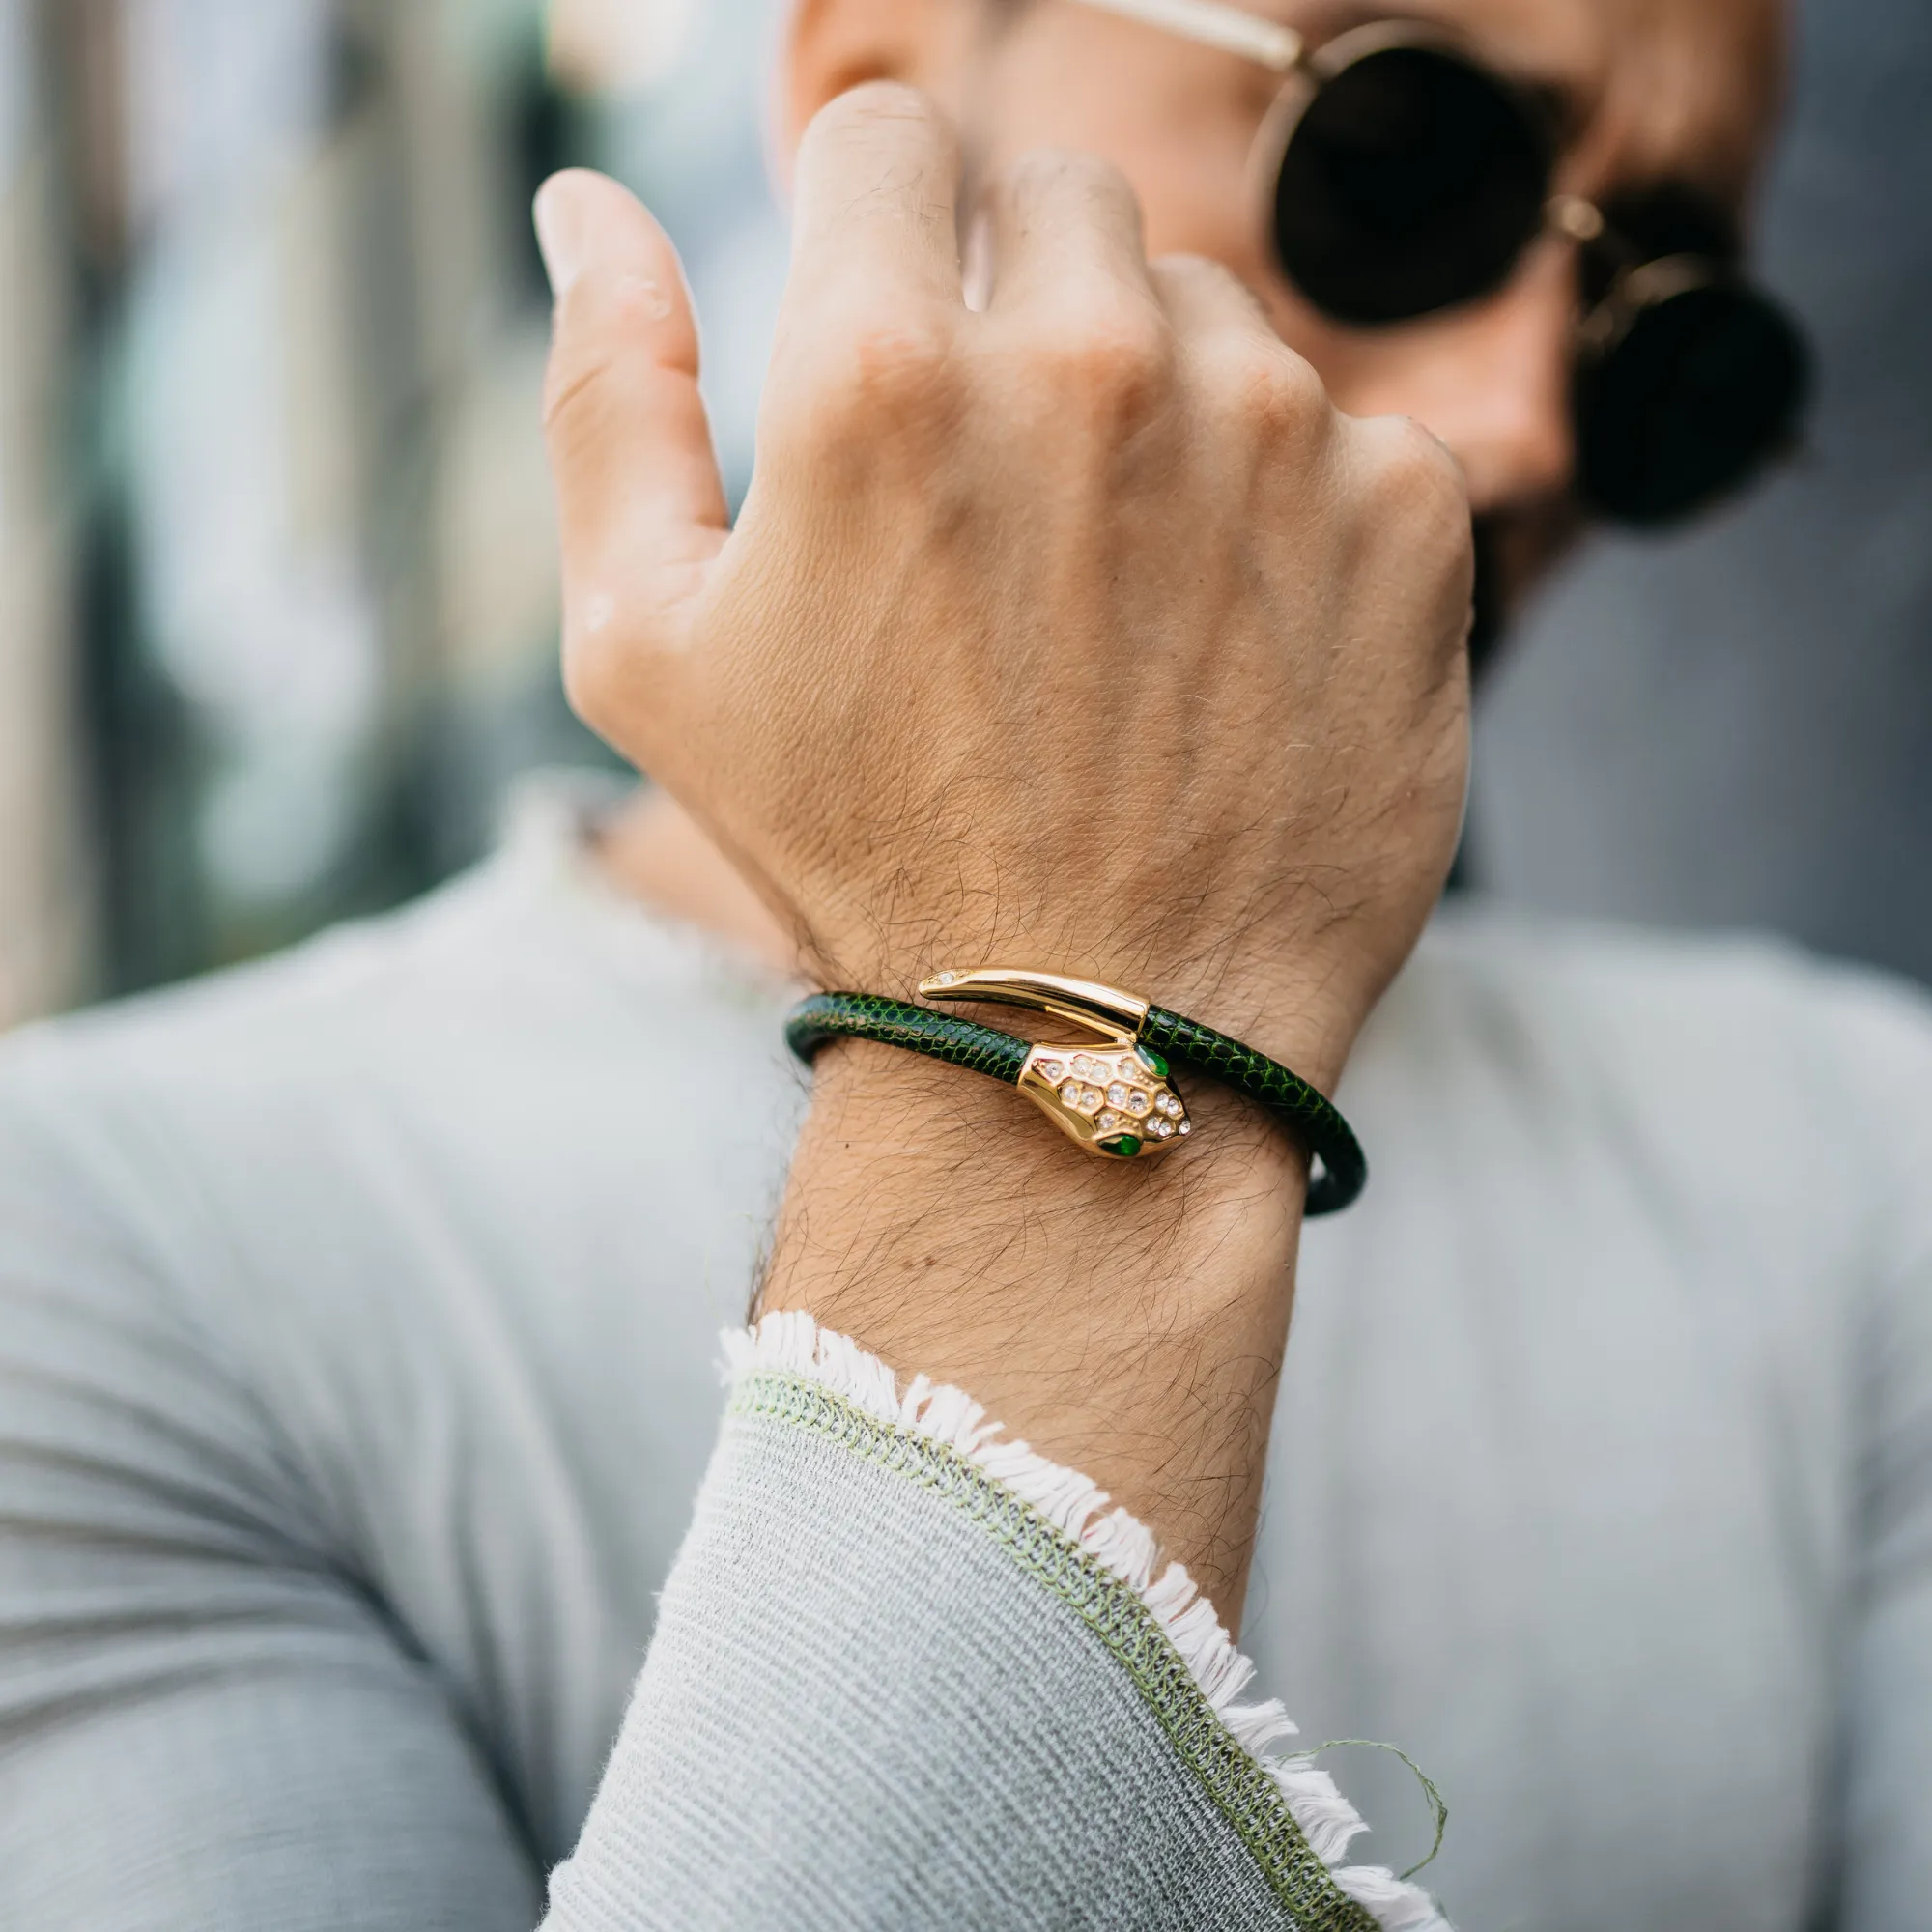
(359, 1321)
(923, 1706)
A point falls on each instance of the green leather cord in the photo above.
(1314, 1121)
(917, 1029)
(1310, 1117)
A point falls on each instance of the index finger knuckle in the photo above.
(860, 373)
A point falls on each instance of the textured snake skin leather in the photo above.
(1314, 1121)
(917, 1029)
(1307, 1115)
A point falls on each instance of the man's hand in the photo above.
(1081, 632)
(1078, 633)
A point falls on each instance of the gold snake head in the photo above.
(1112, 1096)
(1112, 1101)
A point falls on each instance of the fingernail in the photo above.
(562, 217)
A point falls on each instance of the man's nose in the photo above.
(1494, 382)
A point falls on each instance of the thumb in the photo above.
(640, 498)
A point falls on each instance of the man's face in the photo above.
(1668, 102)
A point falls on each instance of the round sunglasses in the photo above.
(1401, 177)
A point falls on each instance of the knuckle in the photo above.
(1277, 390)
(889, 363)
(1106, 353)
(868, 372)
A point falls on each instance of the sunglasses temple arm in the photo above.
(1212, 24)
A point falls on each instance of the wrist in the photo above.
(1125, 1318)
(916, 1122)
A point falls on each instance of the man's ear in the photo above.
(835, 44)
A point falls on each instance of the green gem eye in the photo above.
(1125, 1146)
(1152, 1061)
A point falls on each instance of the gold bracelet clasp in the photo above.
(1110, 1095)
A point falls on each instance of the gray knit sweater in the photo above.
(358, 1327)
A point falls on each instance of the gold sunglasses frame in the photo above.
(1637, 284)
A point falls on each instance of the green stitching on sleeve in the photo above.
(1234, 1779)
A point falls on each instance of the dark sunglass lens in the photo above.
(1702, 391)
(1413, 182)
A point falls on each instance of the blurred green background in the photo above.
(279, 595)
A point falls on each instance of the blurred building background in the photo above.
(277, 591)
(277, 596)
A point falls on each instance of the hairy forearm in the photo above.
(1079, 631)
(1126, 1320)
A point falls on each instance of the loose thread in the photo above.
(1436, 1801)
